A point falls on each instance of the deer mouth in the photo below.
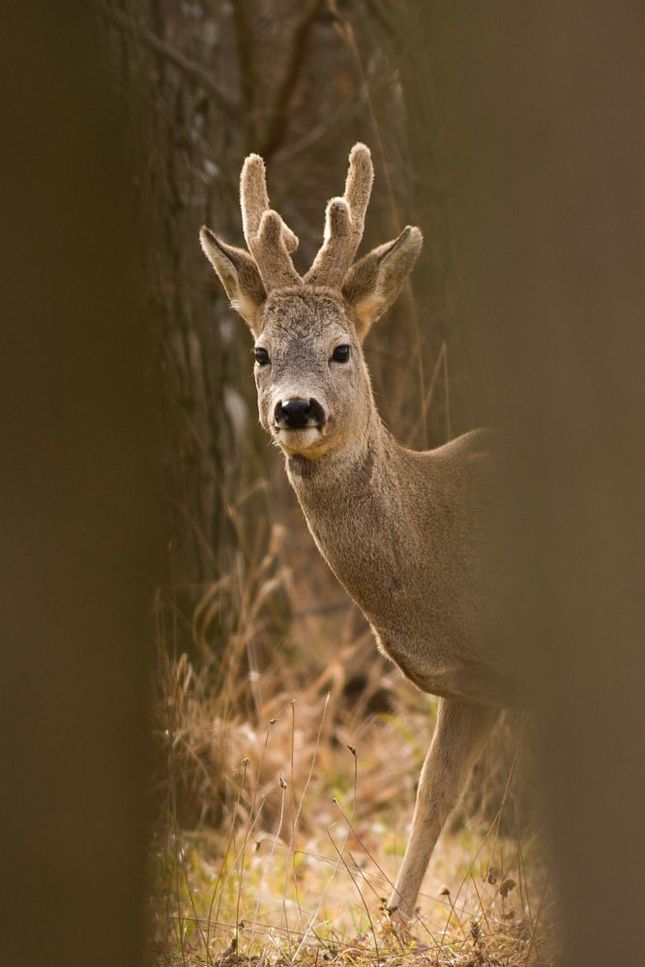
(299, 440)
(299, 437)
(281, 428)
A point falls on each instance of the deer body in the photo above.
(408, 534)
(387, 522)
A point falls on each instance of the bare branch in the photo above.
(280, 112)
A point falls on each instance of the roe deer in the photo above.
(408, 534)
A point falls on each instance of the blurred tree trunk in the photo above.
(547, 158)
(78, 499)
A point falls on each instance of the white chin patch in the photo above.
(298, 440)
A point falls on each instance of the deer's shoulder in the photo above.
(467, 457)
(471, 447)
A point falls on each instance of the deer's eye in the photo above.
(261, 356)
(340, 354)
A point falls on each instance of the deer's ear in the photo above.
(374, 282)
(239, 275)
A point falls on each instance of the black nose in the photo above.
(299, 413)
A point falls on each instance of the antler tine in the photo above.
(269, 250)
(358, 188)
(344, 222)
(268, 238)
(254, 198)
(336, 252)
(255, 201)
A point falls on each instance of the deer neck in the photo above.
(355, 504)
(349, 473)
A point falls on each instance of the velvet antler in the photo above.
(344, 222)
(268, 238)
(368, 286)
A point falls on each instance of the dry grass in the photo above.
(288, 789)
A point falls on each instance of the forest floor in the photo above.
(309, 841)
(288, 769)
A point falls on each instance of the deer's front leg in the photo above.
(462, 729)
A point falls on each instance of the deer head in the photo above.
(314, 392)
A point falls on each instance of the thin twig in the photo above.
(358, 889)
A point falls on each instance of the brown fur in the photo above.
(408, 534)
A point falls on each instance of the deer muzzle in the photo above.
(299, 414)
